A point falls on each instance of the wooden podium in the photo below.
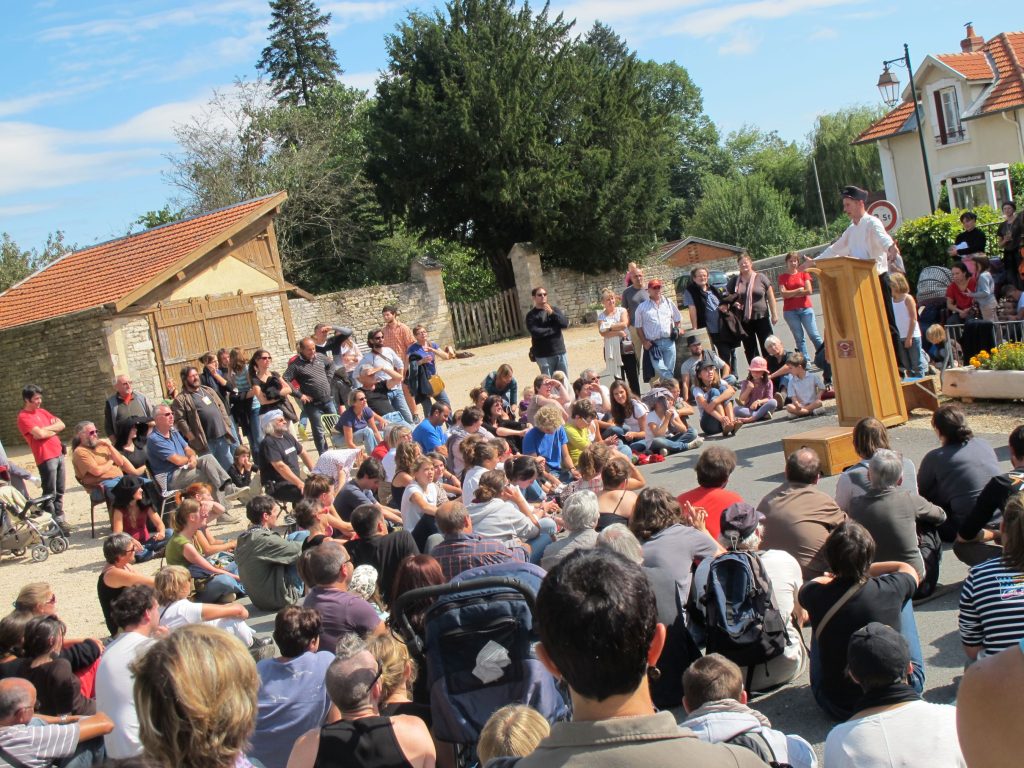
(864, 369)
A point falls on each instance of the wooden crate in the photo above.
(834, 446)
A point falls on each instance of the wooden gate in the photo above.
(483, 322)
(187, 329)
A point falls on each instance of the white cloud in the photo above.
(366, 81)
(27, 209)
(127, 25)
(824, 33)
(741, 43)
(708, 22)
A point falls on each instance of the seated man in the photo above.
(328, 569)
(375, 546)
(893, 726)
(430, 433)
(688, 368)
(714, 467)
(977, 540)
(362, 489)
(97, 463)
(266, 560)
(462, 549)
(126, 403)
(601, 596)
(28, 739)
(717, 711)
(362, 737)
(798, 516)
(280, 453)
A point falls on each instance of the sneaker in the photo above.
(780, 398)
(65, 529)
(697, 442)
(656, 458)
(262, 648)
(662, 452)
(232, 492)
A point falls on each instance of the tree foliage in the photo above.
(299, 59)
(839, 162)
(780, 163)
(925, 241)
(493, 125)
(16, 264)
(151, 219)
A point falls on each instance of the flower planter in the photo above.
(969, 383)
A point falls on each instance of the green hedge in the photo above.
(925, 241)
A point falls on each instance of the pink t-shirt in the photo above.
(792, 282)
(42, 450)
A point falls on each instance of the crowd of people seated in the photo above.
(390, 501)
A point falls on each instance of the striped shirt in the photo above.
(37, 746)
(992, 607)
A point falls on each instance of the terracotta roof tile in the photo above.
(973, 66)
(106, 272)
(891, 124)
(1007, 51)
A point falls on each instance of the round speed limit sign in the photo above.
(886, 213)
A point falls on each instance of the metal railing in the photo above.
(965, 341)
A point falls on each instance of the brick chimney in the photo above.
(972, 42)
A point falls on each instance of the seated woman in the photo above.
(619, 482)
(579, 516)
(869, 435)
(320, 490)
(629, 416)
(394, 436)
(359, 424)
(405, 464)
(479, 456)
(397, 678)
(420, 503)
(213, 549)
(244, 474)
(118, 574)
(126, 439)
(499, 512)
(130, 513)
(213, 584)
(524, 476)
(309, 522)
(592, 460)
(173, 586)
(756, 400)
(666, 432)
(58, 690)
(37, 598)
(498, 421)
(714, 399)
(449, 483)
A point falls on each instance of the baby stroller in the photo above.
(24, 526)
(931, 295)
(479, 648)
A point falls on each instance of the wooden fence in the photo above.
(497, 318)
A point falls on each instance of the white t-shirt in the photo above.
(411, 513)
(183, 612)
(786, 577)
(388, 462)
(114, 694)
(470, 481)
(918, 733)
(632, 423)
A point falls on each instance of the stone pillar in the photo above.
(528, 274)
(434, 310)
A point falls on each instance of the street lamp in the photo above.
(889, 87)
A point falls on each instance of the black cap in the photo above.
(740, 517)
(855, 193)
(693, 338)
(877, 650)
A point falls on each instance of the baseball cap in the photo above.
(693, 338)
(706, 363)
(655, 283)
(740, 517)
(877, 650)
(854, 193)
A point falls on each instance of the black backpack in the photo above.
(759, 745)
(744, 623)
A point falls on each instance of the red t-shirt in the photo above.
(714, 500)
(42, 450)
(792, 282)
(960, 299)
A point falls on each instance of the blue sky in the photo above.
(94, 88)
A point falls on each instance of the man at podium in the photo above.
(866, 239)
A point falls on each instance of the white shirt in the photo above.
(412, 512)
(918, 733)
(183, 612)
(656, 320)
(867, 240)
(374, 360)
(114, 694)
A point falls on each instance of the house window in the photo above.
(947, 113)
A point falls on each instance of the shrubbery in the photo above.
(925, 241)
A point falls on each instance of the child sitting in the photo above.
(757, 396)
(584, 429)
(714, 398)
(937, 352)
(804, 388)
(666, 432)
(904, 310)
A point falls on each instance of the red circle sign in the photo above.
(886, 213)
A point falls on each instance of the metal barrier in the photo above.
(965, 341)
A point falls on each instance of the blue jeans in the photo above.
(908, 628)
(313, 412)
(223, 451)
(709, 425)
(219, 586)
(397, 399)
(742, 412)
(540, 542)
(800, 320)
(671, 443)
(442, 397)
(910, 359)
(363, 437)
(666, 366)
(548, 365)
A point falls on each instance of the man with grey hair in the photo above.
(742, 528)
(596, 392)
(579, 516)
(36, 741)
(462, 550)
(328, 568)
(362, 736)
(97, 463)
(126, 403)
(279, 458)
(902, 523)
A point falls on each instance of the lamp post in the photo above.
(889, 87)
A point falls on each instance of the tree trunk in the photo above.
(502, 269)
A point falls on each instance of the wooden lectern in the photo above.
(864, 368)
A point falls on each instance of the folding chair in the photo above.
(327, 423)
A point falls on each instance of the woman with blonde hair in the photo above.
(213, 584)
(515, 730)
(613, 325)
(195, 694)
(399, 672)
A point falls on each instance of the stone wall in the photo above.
(273, 331)
(132, 351)
(421, 300)
(67, 357)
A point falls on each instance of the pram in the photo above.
(478, 645)
(26, 526)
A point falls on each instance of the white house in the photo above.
(973, 113)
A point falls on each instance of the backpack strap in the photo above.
(755, 741)
(836, 606)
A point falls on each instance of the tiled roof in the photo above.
(1005, 52)
(973, 66)
(107, 272)
(894, 123)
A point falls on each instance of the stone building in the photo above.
(145, 305)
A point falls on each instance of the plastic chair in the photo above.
(327, 423)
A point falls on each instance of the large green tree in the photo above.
(781, 163)
(494, 125)
(839, 162)
(299, 58)
(17, 264)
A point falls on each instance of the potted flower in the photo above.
(997, 373)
